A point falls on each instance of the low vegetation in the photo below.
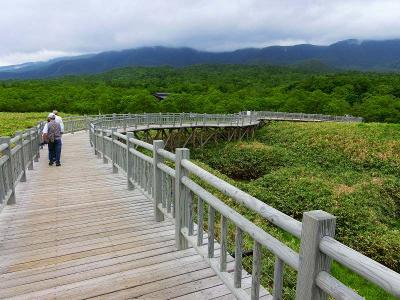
(349, 170)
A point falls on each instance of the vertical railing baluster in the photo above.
(237, 277)
(21, 144)
(256, 271)
(113, 150)
(200, 221)
(189, 211)
(157, 180)
(278, 279)
(30, 150)
(224, 242)
(103, 145)
(211, 230)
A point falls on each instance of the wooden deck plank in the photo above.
(85, 235)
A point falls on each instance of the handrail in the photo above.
(375, 272)
(174, 191)
(17, 154)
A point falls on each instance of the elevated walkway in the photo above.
(77, 232)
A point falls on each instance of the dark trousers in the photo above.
(55, 151)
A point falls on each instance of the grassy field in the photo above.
(349, 170)
(12, 122)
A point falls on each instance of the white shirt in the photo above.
(59, 121)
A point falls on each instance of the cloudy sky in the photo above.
(32, 30)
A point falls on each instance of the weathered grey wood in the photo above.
(7, 151)
(237, 277)
(30, 149)
(97, 239)
(335, 288)
(180, 154)
(113, 151)
(224, 242)
(129, 161)
(273, 215)
(278, 279)
(211, 230)
(103, 146)
(274, 245)
(375, 272)
(190, 213)
(23, 163)
(255, 277)
(316, 224)
(157, 177)
(200, 220)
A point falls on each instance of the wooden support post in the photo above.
(36, 142)
(21, 144)
(103, 146)
(10, 172)
(113, 151)
(316, 224)
(157, 177)
(129, 161)
(30, 149)
(180, 201)
(94, 139)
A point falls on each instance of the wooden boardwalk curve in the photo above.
(77, 232)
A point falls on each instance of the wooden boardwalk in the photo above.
(76, 232)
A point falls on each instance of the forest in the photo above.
(212, 89)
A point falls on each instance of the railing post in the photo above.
(103, 146)
(10, 174)
(180, 197)
(113, 152)
(157, 177)
(72, 126)
(30, 156)
(114, 120)
(94, 138)
(316, 224)
(129, 135)
(21, 143)
(36, 145)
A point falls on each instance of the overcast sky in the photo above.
(32, 30)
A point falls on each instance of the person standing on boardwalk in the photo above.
(52, 134)
(59, 120)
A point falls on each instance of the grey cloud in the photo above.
(41, 29)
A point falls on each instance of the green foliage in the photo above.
(244, 160)
(211, 89)
(12, 122)
(349, 170)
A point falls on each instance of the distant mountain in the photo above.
(348, 54)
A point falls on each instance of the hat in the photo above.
(51, 116)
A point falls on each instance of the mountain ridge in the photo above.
(352, 54)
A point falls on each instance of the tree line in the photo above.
(211, 89)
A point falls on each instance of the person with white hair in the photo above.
(59, 120)
(52, 135)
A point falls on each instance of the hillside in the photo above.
(348, 54)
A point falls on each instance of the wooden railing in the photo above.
(171, 182)
(17, 155)
(126, 121)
